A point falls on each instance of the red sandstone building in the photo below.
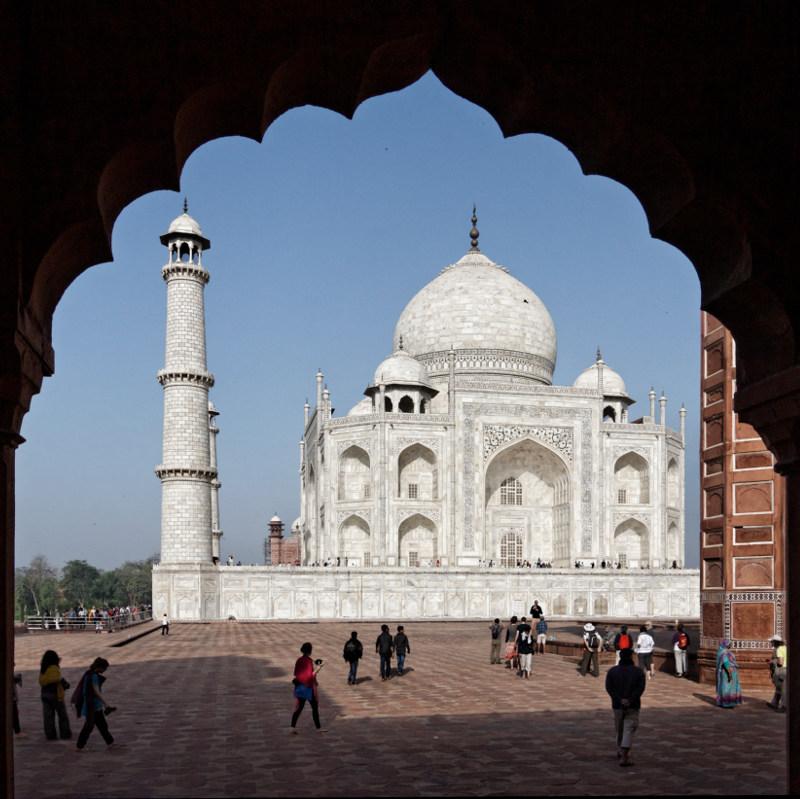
(742, 524)
(280, 551)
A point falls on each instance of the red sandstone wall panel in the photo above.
(753, 572)
(753, 621)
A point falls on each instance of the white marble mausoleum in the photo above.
(465, 484)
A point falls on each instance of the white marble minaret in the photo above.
(187, 471)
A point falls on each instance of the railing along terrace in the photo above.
(97, 623)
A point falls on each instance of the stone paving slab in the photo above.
(205, 712)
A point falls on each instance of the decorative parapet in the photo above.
(393, 418)
(181, 473)
(508, 361)
(166, 377)
(180, 269)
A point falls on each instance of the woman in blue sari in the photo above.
(729, 693)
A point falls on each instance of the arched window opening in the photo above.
(417, 536)
(609, 414)
(354, 474)
(354, 542)
(631, 544)
(418, 473)
(510, 550)
(406, 405)
(673, 483)
(632, 480)
(387, 405)
(511, 491)
(185, 253)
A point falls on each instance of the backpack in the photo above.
(683, 641)
(624, 641)
(77, 695)
(351, 649)
(591, 641)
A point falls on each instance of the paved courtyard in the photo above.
(205, 712)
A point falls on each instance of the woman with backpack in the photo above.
(622, 640)
(680, 647)
(91, 705)
(53, 685)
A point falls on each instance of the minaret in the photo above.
(213, 432)
(186, 470)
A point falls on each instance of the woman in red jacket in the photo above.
(305, 686)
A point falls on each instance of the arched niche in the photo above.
(674, 545)
(527, 487)
(673, 483)
(631, 480)
(355, 542)
(354, 474)
(417, 473)
(631, 543)
(406, 404)
(417, 537)
(609, 414)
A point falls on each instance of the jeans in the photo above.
(351, 678)
(401, 659)
(51, 709)
(626, 722)
(95, 719)
(386, 666)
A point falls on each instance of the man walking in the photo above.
(524, 648)
(384, 646)
(496, 631)
(625, 685)
(536, 611)
(591, 649)
(164, 625)
(353, 650)
(777, 670)
(402, 648)
(541, 634)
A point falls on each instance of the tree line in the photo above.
(43, 589)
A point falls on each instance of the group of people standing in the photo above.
(87, 699)
(306, 669)
(523, 639)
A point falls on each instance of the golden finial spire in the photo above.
(473, 234)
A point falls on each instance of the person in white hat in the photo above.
(591, 647)
(777, 671)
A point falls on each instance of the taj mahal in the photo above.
(463, 485)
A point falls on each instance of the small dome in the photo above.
(185, 224)
(275, 518)
(613, 384)
(361, 408)
(400, 368)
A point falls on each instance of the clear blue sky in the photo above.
(320, 236)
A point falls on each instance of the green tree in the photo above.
(37, 586)
(79, 582)
(135, 581)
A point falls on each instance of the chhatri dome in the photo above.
(187, 226)
(489, 317)
(613, 384)
(400, 368)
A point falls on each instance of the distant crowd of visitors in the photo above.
(99, 617)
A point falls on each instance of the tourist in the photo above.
(511, 643)
(625, 684)
(53, 686)
(496, 630)
(353, 651)
(644, 651)
(384, 646)
(305, 686)
(15, 724)
(729, 693)
(622, 640)
(777, 672)
(680, 648)
(401, 647)
(541, 634)
(93, 706)
(164, 625)
(536, 610)
(591, 649)
(524, 648)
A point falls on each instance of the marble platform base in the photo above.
(210, 593)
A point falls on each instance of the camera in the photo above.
(109, 709)
(318, 662)
(64, 684)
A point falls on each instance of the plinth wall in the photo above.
(273, 592)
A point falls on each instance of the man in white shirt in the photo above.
(591, 648)
(644, 649)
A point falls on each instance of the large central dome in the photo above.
(496, 324)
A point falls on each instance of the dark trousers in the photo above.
(301, 703)
(386, 665)
(351, 678)
(51, 709)
(165, 629)
(590, 657)
(95, 719)
(401, 662)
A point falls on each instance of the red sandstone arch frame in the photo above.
(695, 112)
